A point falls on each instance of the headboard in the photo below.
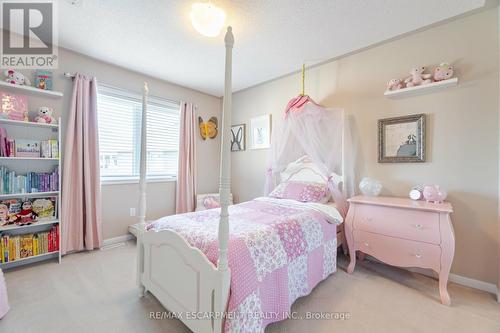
(305, 170)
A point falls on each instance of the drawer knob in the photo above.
(418, 256)
(369, 219)
(366, 244)
(419, 226)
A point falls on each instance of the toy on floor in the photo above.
(418, 77)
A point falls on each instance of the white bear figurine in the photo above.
(15, 77)
(45, 116)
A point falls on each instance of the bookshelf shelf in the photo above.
(26, 227)
(29, 158)
(27, 123)
(30, 90)
(32, 259)
(29, 195)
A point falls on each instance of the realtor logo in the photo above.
(29, 34)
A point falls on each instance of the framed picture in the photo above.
(401, 139)
(260, 132)
(238, 137)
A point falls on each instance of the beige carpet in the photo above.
(95, 292)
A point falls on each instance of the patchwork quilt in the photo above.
(278, 251)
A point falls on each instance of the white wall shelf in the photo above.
(423, 89)
(28, 90)
(26, 123)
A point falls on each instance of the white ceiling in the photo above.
(273, 37)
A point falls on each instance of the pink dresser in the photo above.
(402, 232)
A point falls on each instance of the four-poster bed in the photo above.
(280, 249)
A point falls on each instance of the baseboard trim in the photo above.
(115, 240)
(455, 278)
(461, 280)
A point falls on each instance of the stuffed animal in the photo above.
(26, 215)
(418, 77)
(394, 84)
(45, 116)
(443, 72)
(15, 77)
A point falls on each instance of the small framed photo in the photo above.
(260, 132)
(401, 139)
(238, 137)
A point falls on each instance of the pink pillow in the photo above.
(305, 192)
(211, 202)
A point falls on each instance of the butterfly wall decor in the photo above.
(208, 129)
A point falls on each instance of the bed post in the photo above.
(225, 173)
(142, 190)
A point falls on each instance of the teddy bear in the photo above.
(394, 84)
(15, 77)
(443, 72)
(418, 77)
(45, 115)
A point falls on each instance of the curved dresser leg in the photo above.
(443, 288)
(447, 253)
(350, 268)
(348, 230)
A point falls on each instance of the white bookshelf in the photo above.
(21, 165)
(29, 90)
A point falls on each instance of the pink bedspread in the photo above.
(278, 251)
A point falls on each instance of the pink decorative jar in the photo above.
(433, 193)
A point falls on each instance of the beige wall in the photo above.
(462, 133)
(118, 199)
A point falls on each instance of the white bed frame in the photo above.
(177, 274)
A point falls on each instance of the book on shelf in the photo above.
(27, 148)
(17, 247)
(12, 183)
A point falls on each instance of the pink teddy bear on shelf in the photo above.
(418, 77)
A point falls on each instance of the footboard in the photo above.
(183, 280)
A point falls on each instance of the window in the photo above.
(119, 115)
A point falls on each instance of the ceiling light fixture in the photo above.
(207, 19)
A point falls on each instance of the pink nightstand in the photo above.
(402, 232)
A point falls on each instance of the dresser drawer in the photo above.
(402, 223)
(398, 252)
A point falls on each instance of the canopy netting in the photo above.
(309, 129)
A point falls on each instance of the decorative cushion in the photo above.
(301, 191)
(209, 201)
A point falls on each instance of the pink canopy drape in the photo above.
(81, 192)
(186, 176)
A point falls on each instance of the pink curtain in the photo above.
(81, 191)
(186, 175)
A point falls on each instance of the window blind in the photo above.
(119, 116)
